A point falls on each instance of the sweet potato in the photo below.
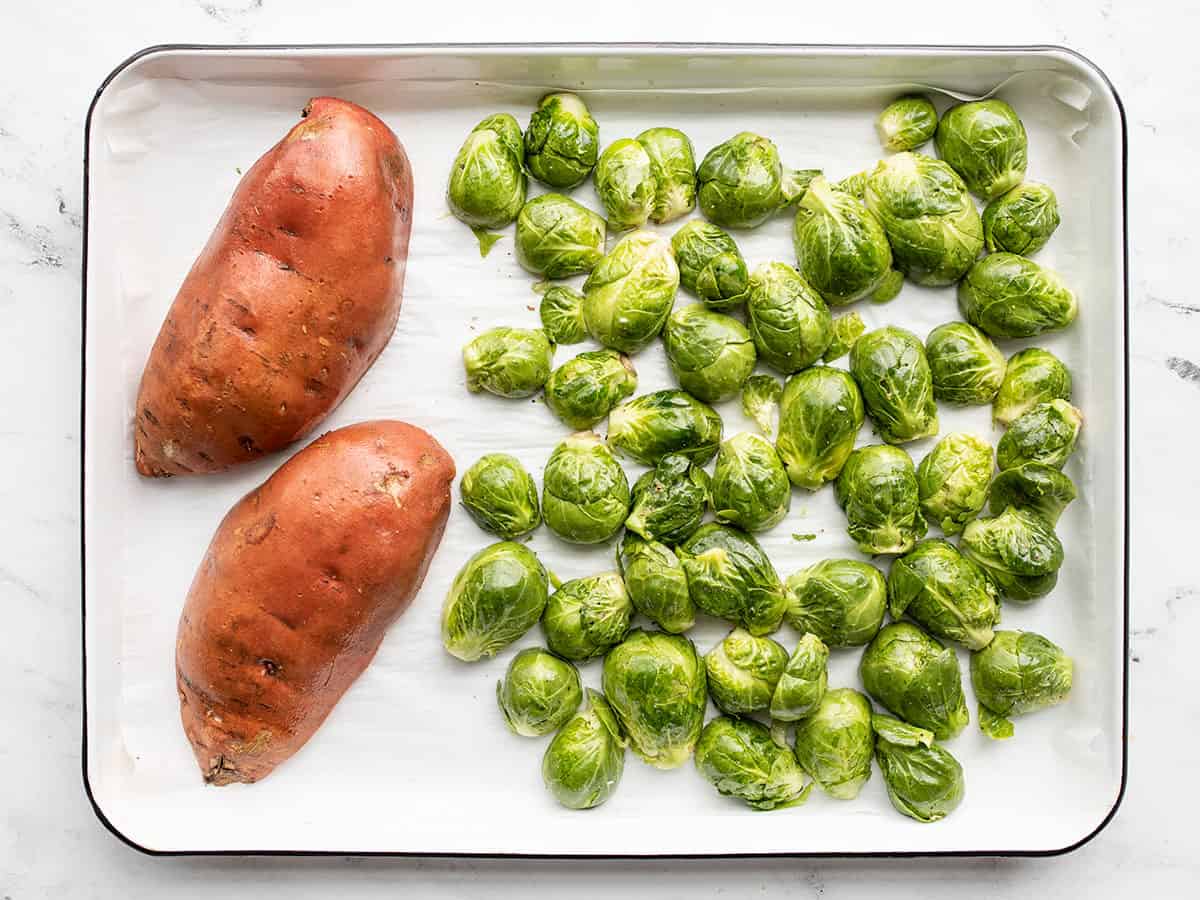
(292, 299)
(298, 586)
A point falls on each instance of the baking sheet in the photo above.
(415, 758)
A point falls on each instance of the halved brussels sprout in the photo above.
(930, 219)
(501, 496)
(561, 312)
(803, 681)
(584, 762)
(494, 599)
(625, 184)
(1047, 434)
(743, 671)
(750, 488)
(923, 780)
(760, 401)
(655, 683)
(557, 237)
(582, 390)
(985, 143)
(847, 329)
(487, 181)
(1022, 220)
(741, 182)
(654, 425)
(673, 166)
(1018, 550)
(943, 591)
(562, 141)
(1009, 296)
(1033, 376)
(508, 362)
(788, 320)
(585, 495)
(820, 415)
(586, 616)
(711, 354)
(656, 583)
(917, 678)
(907, 123)
(834, 744)
(952, 480)
(730, 577)
(841, 601)
(893, 374)
(1019, 672)
(841, 246)
(669, 501)
(629, 294)
(1042, 489)
(539, 692)
(967, 367)
(739, 758)
(710, 264)
(878, 490)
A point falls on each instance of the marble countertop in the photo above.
(55, 56)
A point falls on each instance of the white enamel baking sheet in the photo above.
(416, 759)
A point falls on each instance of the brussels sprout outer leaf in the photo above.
(893, 731)
(760, 402)
(994, 725)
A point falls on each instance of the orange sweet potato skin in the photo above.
(294, 296)
(301, 581)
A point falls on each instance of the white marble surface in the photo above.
(56, 53)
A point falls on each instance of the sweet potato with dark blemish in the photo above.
(292, 299)
(299, 585)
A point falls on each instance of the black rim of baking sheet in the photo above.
(633, 47)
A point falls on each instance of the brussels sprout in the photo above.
(586, 616)
(803, 681)
(1033, 376)
(820, 415)
(741, 182)
(743, 671)
(788, 320)
(1042, 489)
(629, 294)
(562, 141)
(494, 599)
(841, 601)
(487, 181)
(917, 678)
(930, 219)
(760, 401)
(847, 329)
(710, 353)
(625, 184)
(893, 374)
(656, 583)
(966, 366)
(923, 780)
(741, 760)
(508, 362)
(651, 426)
(710, 264)
(841, 246)
(1047, 434)
(907, 123)
(1009, 296)
(1022, 220)
(585, 495)
(673, 167)
(655, 682)
(945, 593)
(584, 762)
(889, 288)
(561, 312)
(1018, 550)
(539, 692)
(878, 490)
(731, 578)
(750, 488)
(582, 390)
(855, 185)
(669, 501)
(501, 496)
(1019, 672)
(833, 745)
(952, 480)
(985, 143)
(557, 238)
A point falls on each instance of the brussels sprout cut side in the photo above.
(906, 123)
(841, 247)
(669, 501)
(487, 181)
(967, 367)
(840, 601)
(985, 143)
(743, 671)
(652, 426)
(740, 759)
(941, 589)
(656, 583)
(562, 141)
(1022, 220)
(789, 322)
(1019, 672)
(878, 490)
(1009, 296)
(630, 292)
(917, 678)
(710, 354)
(834, 744)
(583, 390)
(494, 599)
(891, 370)
(508, 362)
(585, 495)
(820, 415)
(586, 616)
(730, 577)
(803, 681)
(558, 238)
(952, 480)
(584, 763)
(1018, 550)
(1032, 376)
(539, 693)
(750, 488)
(501, 496)
(924, 781)
(710, 264)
